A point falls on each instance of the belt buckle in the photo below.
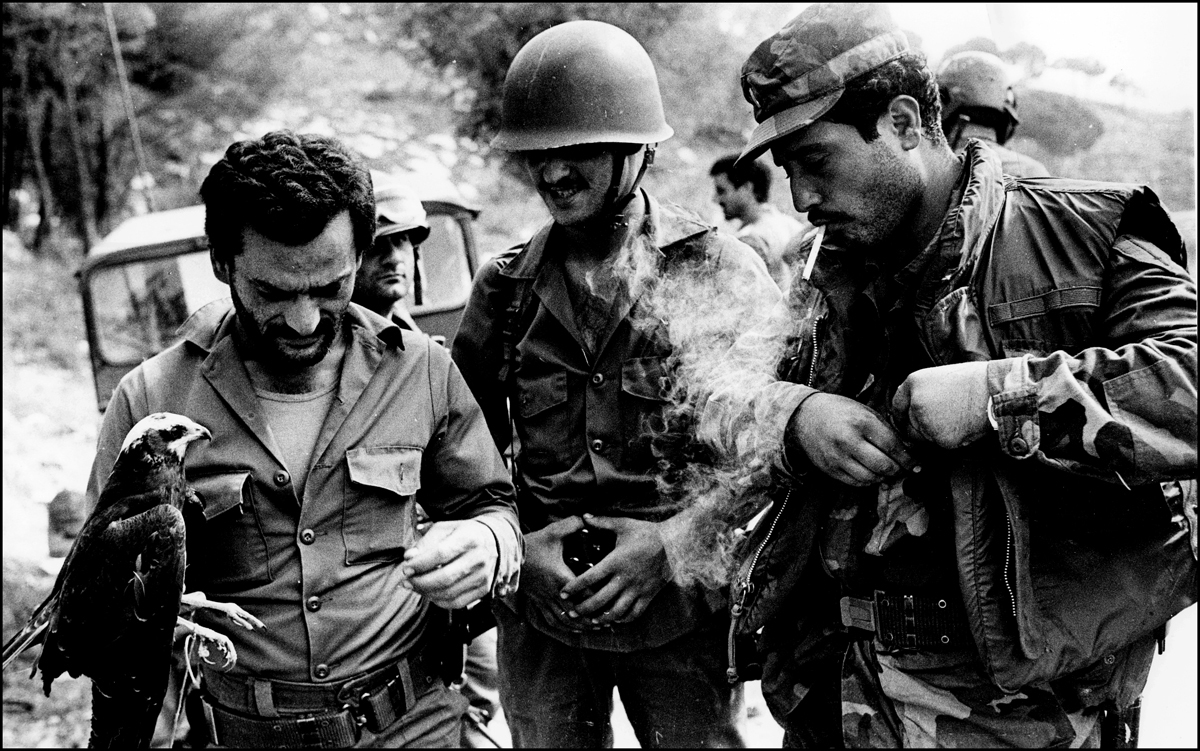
(309, 731)
(858, 613)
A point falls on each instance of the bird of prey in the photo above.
(113, 610)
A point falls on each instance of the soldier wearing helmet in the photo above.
(390, 270)
(978, 102)
(565, 329)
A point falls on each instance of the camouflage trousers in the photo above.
(946, 701)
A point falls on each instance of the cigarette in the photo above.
(818, 238)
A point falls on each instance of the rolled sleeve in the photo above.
(1123, 409)
(1013, 407)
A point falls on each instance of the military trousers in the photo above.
(923, 700)
(558, 696)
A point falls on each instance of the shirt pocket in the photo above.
(1058, 319)
(378, 509)
(652, 430)
(545, 426)
(230, 548)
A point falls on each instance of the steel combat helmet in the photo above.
(398, 209)
(580, 82)
(974, 87)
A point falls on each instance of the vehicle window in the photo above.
(445, 276)
(139, 305)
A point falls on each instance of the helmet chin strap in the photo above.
(612, 211)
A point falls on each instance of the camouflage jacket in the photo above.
(1074, 292)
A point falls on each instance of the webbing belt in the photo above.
(333, 714)
(916, 622)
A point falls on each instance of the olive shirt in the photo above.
(592, 422)
(321, 570)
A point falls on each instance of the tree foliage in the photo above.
(67, 138)
(478, 41)
(1062, 124)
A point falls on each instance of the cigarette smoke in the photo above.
(728, 330)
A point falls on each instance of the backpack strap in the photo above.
(517, 317)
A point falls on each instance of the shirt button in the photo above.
(597, 445)
(307, 537)
(598, 379)
(281, 478)
(313, 604)
(1018, 446)
(322, 671)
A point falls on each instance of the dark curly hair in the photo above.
(286, 187)
(867, 97)
(754, 172)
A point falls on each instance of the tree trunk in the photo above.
(87, 218)
(35, 119)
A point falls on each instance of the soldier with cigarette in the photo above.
(982, 427)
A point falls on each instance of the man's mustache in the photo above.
(283, 331)
(562, 185)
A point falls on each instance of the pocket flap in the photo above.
(222, 493)
(647, 377)
(394, 468)
(543, 392)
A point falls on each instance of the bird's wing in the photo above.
(120, 594)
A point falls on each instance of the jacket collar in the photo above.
(665, 223)
(210, 329)
(951, 255)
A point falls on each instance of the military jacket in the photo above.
(1071, 526)
(590, 427)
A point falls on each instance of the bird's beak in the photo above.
(195, 432)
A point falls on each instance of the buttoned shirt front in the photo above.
(322, 570)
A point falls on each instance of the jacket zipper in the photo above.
(1008, 555)
(812, 365)
(745, 587)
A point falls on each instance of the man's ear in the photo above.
(220, 269)
(903, 117)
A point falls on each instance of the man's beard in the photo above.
(263, 346)
(896, 193)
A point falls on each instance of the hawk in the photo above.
(112, 612)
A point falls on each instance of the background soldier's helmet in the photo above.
(580, 82)
(976, 84)
(398, 209)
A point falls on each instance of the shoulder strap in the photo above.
(516, 317)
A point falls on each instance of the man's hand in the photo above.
(627, 579)
(847, 440)
(545, 572)
(453, 564)
(945, 406)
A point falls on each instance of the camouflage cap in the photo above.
(799, 73)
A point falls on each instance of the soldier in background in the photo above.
(389, 267)
(742, 193)
(979, 102)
